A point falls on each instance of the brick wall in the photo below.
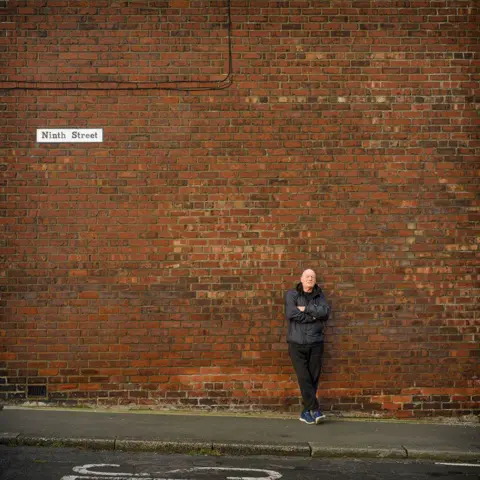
(150, 269)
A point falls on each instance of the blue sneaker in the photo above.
(307, 418)
(318, 416)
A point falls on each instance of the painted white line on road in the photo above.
(76, 477)
(87, 474)
(272, 474)
(106, 477)
(458, 464)
(103, 477)
(85, 470)
(90, 472)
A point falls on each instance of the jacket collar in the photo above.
(316, 289)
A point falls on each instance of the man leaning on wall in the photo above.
(307, 311)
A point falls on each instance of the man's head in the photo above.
(308, 280)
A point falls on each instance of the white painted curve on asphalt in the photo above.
(91, 472)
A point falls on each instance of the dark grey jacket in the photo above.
(306, 328)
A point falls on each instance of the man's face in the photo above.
(308, 280)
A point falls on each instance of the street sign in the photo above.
(69, 135)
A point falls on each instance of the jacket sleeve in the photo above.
(293, 313)
(319, 310)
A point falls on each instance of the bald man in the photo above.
(307, 311)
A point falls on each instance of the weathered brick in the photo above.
(151, 267)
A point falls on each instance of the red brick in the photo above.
(153, 266)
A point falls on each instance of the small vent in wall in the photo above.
(37, 391)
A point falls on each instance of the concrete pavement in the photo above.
(217, 434)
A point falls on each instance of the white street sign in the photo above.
(70, 135)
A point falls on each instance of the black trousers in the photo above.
(307, 362)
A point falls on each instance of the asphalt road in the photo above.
(40, 463)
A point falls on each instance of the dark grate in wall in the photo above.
(37, 391)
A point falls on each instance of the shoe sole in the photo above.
(320, 419)
(308, 423)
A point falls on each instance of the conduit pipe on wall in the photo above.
(187, 85)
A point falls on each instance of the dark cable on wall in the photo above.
(177, 85)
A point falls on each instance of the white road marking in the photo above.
(272, 474)
(76, 477)
(85, 470)
(86, 473)
(458, 464)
